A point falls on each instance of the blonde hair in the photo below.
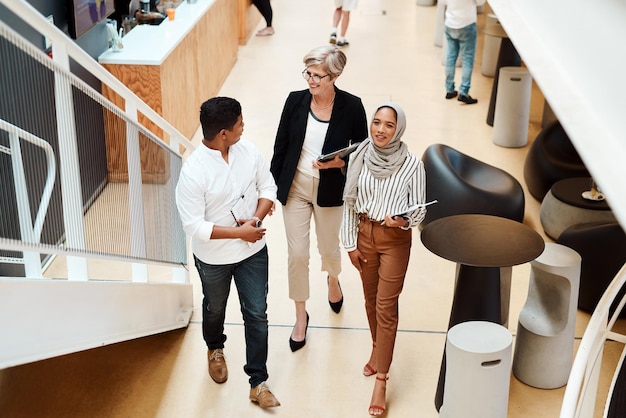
(331, 58)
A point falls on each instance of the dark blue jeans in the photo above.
(250, 277)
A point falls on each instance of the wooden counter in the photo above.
(249, 17)
(173, 67)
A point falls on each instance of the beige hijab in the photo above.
(382, 162)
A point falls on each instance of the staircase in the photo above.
(86, 260)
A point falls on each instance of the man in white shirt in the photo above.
(460, 30)
(224, 191)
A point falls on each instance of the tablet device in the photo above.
(414, 207)
(342, 153)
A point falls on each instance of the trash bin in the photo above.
(512, 111)
(440, 23)
(491, 47)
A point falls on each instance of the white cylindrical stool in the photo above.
(512, 112)
(478, 371)
(491, 48)
(544, 345)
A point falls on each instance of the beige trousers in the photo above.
(301, 205)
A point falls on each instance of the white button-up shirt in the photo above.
(210, 189)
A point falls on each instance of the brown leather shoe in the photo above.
(217, 365)
(262, 395)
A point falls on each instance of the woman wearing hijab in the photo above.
(384, 197)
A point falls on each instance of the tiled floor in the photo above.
(391, 57)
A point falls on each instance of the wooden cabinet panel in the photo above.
(191, 73)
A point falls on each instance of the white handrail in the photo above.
(29, 232)
(15, 245)
(581, 383)
(64, 49)
(15, 150)
(36, 20)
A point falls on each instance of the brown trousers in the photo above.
(387, 252)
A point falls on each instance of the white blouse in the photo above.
(314, 138)
(393, 195)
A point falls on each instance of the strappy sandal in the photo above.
(377, 410)
(368, 370)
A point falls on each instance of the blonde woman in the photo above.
(318, 120)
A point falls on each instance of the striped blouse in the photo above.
(391, 196)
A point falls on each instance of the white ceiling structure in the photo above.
(576, 53)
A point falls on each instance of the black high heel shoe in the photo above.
(336, 306)
(296, 345)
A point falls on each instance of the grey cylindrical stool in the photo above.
(544, 345)
(425, 2)
(556, 216)
(512, 112)
(478, 370)
(440, 23)
(491, 48)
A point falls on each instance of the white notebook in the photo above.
(342, 153)
(414, 207)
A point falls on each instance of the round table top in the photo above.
(482, 240)
(570, 191)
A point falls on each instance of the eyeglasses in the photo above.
(316, 78)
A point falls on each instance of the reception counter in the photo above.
(249, 18)
(173, 67)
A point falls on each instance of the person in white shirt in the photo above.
(342, 15)
(460, 31)
(384, 197)
(224, 191)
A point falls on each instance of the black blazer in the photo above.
(347, 123)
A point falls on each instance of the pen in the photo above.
(234, 217)
(231, 212)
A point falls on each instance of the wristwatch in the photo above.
(258, 222)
